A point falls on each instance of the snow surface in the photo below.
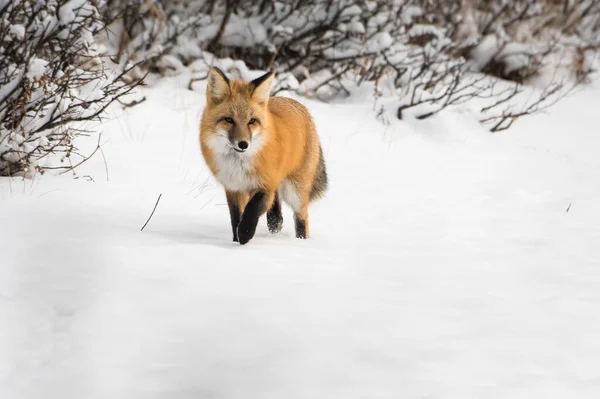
(36, 68)
(445, 262)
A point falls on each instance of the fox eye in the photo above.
(251, 121)
(229, 120)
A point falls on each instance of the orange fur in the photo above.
(283, 151)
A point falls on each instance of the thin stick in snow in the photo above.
(105, 163)
(150, 217)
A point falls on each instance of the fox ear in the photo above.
(217, 89)
(261, 87)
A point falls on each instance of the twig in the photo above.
(132, 103)
(150, 217)
(214, 43)
(194, 80)
(105, 163)
(72, 167)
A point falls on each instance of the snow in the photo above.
(443, 263)
(422, 30)
(380, 41)
(18, 30)
(240, 32)
(36, 68)
(516, 56)
(68, 11)
(486, 50)
(352, 11)
(356, 27)
(409, 13)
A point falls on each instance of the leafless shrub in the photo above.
(52, 75)
(146, 30)
(423, 51)
(515, 40)
(508, 107)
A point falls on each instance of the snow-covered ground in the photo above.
(445, 262)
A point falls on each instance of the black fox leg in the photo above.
(274, 216)
(301, 223)
(295, 193)
(257, 205)
(236, 202)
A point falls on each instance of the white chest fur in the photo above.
(235, 170)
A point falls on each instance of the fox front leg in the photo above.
(236, 202)
(258, 204)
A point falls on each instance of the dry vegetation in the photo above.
(66, 61)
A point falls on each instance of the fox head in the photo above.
(236, 111)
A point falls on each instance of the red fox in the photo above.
(261, 149)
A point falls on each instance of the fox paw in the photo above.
(274, 223)
(245, 233)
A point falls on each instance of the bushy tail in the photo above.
(320, 184)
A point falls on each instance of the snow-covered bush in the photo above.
(422, 51)
(321, 43)
(519, 40)
(52, 75)
(55, 67)
(158, 34)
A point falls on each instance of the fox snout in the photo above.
(240, 141)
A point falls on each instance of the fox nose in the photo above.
(243, 145)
